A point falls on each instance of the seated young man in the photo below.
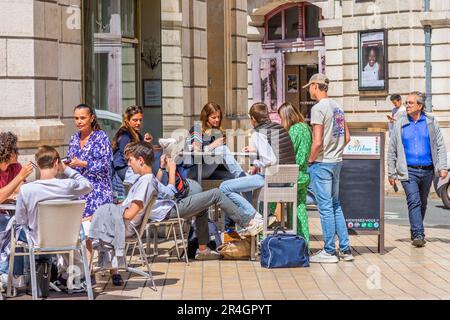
(47, 188)
(273, 146)
(140, 157)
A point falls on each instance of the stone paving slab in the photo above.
(403, 272)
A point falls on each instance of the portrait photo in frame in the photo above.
(372, 60)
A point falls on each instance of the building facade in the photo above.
(172, 56)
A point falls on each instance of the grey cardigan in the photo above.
(396, 158)
(108, 225)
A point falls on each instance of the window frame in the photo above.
(136, 40)
(301, 36)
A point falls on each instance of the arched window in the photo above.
(293, 21)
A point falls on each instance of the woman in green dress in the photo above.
(294, 122)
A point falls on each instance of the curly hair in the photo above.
(8, 146)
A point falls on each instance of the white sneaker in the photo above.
(272, 221)
(255, 227)
(323, 257)
(207, 254)
(18, 281)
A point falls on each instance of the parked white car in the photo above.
(442, 186)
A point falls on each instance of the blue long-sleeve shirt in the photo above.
(416, 141)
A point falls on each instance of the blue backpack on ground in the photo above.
(283, 250)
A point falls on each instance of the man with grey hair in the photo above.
(416, 154)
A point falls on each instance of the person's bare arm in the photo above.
(347, 134)
(317, 142)
(171, 168)
(14, 185)
(162, 165)
(133, 210)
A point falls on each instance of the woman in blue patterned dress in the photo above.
(90, 153)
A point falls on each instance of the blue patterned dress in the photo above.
(98, 154)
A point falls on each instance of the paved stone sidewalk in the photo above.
(404, 272)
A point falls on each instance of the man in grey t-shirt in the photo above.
(331, 135)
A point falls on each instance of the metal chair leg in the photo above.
(176, 242)
(132, 253)
(33, 274)
(183, 242)
(9, 288)
(87, 273)
(155, 240)
(147, 236)
(146, 263)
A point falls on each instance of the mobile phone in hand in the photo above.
(66, 160)
(395, 187)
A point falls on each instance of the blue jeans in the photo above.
(325, 185)
(417, 189)
(233, 188)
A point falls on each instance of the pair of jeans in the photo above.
(198, 204)
(417, 189)
(222, 155)
(325, 185)
(233, 189)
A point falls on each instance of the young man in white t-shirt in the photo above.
(396, 100)
(331, 135)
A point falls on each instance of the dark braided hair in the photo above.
(95, 125)
(8, 146)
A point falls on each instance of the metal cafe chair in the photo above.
(59, 232)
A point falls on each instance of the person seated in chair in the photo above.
(45, 189)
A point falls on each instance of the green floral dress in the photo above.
(302, 140)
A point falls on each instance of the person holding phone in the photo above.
(90, 154)
(210, 137)
(396, 100)
(130, 131)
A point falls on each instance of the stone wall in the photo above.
(40, 70)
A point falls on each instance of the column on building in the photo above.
(238, 74)
(40, 69)
(194, 57)
(227, 59)
(255, 36)
(335, 68)
(439, 20)
(172, 67)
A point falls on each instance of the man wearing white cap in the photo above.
(330, 137)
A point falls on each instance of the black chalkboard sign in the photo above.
(361, 189)
(360, 193)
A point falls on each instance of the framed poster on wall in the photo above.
(152, 93)
(372, 60)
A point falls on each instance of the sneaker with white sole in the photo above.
(255, 227)
(207, 254)
(272, 221)
(323, 257)
(346, 255)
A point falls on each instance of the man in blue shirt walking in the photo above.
(416, 154)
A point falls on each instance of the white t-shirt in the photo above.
(371, 73)
(330, 115)
(141, 191)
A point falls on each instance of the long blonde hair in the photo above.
(289, 115)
